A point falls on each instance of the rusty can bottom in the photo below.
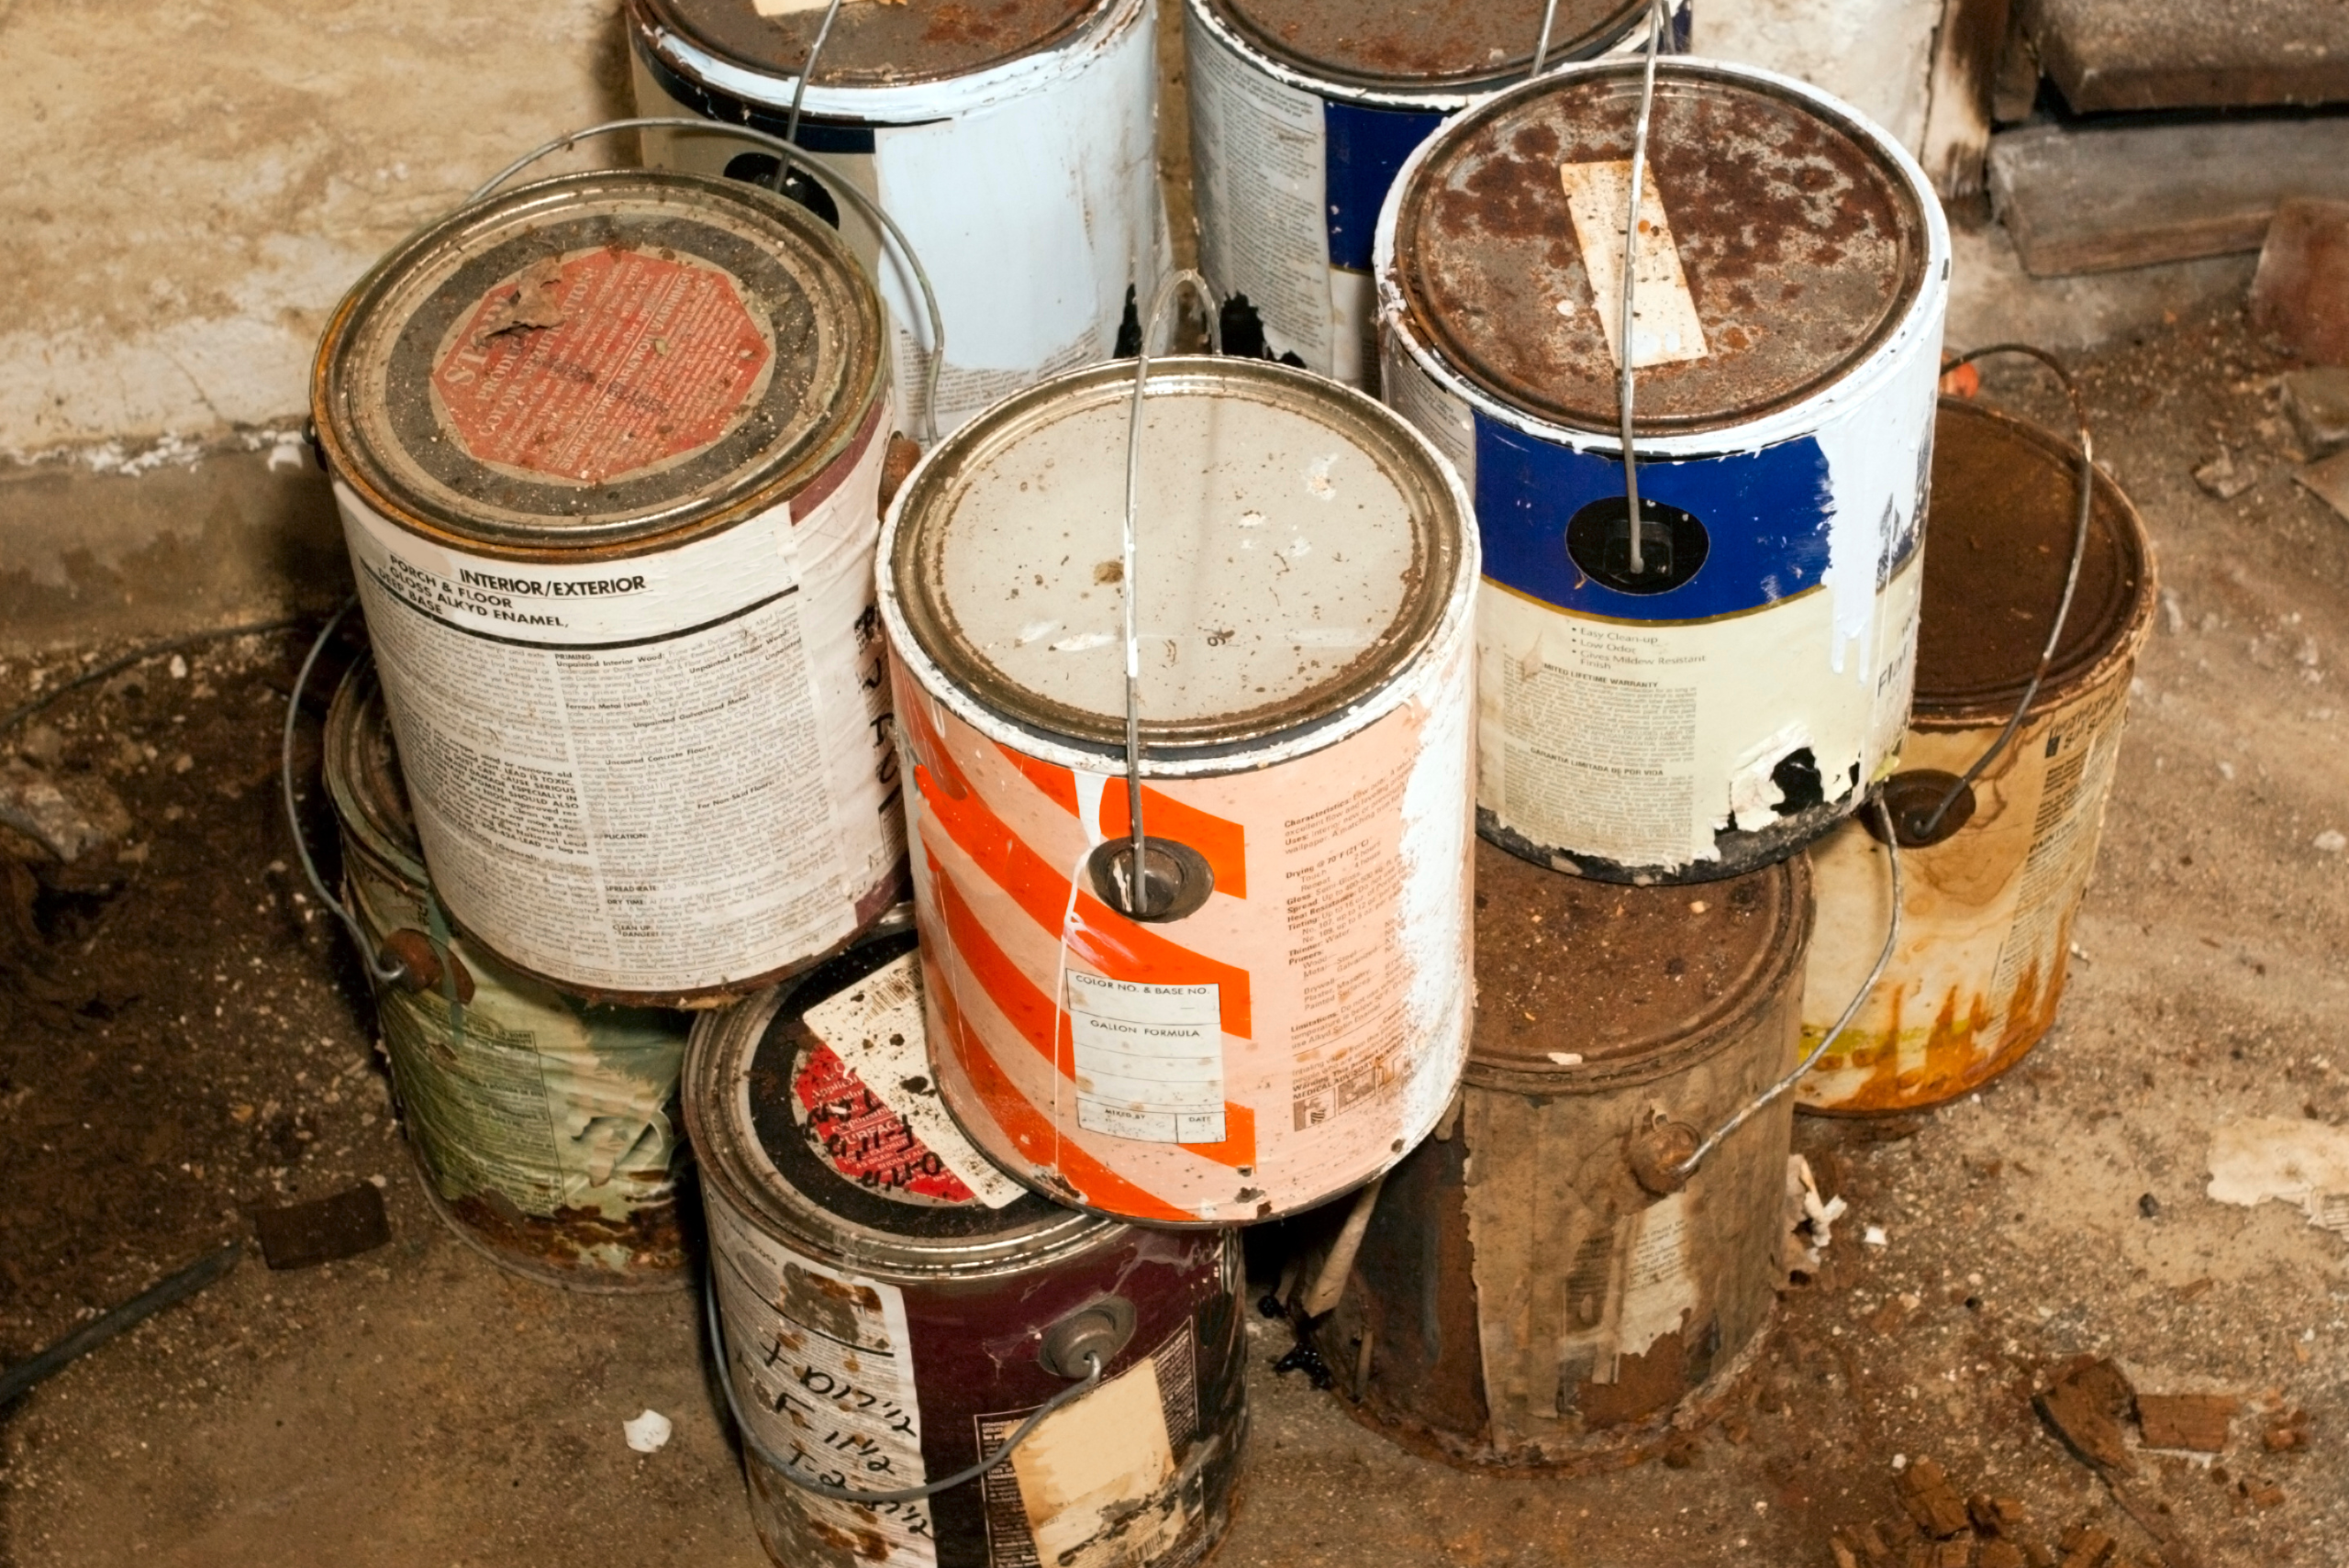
(1612, 1448)
(535, 1249)
(1953, 1066)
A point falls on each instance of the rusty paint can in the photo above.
(894, 1306)
(1016, 144)
(1986, 917)
(1301, 113)
(1297, 1018)
(1732, 698)
(1532, 1292)
(544, 1126)
(607, 449)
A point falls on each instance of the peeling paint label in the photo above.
(1098, 1484)
(1149, 1059)
(1659, 1290)
(822, 1365)
(601, 365)
(1665, 328)
(871, 1107)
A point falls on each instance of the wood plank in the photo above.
(2176, 54)
(1957, 112)
(2091, 199)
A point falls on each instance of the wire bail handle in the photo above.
(808, 165)
(1659, 18)
(1127, 872)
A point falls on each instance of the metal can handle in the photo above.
(808, 165)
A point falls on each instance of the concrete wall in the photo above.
(1875, 55)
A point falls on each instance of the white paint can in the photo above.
(607, 449)
(1734, 698)
(1301, 113)
(1295, 1016)
(1014, 145)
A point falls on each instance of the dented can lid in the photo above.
(362, 775)
(1793, 240)
(1299, 546)
(1590, 984)
(1457, 44)
(813, 1111)
(874, 43)
(2005, 509)
(599, 359)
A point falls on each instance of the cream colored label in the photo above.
(876, 1027)
(1659, 1291)
(823, 1368)
(1639, 743)
(1149, 1059)
(1665, 328)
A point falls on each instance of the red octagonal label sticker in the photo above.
(601, 365)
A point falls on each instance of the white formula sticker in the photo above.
(823, 1366)
(1664, 326)
(875, 1029)
(1149, 1059)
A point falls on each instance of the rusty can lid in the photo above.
(874, 43)
(1299, 546)
(598, 359)
(1588, 983)
(363, 775)
(1802, 238)
(796, 1126)
(2005, 509)
(1456, 44)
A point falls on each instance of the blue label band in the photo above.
(1363, 150)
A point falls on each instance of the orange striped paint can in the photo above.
(1297, 1018)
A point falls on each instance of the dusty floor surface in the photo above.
(197, 1043)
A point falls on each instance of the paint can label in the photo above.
(1098, 1483)
(822, 1366)
(652, 774)
(870, 1106)
(1770, 673)
(1286, 1041)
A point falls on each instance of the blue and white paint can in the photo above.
(1734, 698)
(1016, 145)
(1301, 113)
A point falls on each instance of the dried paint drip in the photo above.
(925, 109)
(1718, 684)
(1992, 895)
(607, 450)
(545, 1127)
(880, 1342)
(1301, 113)
(1533, 1290)
(1293, 1017)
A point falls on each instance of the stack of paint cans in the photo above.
(545, 1127)
(1017, 142)
(1994, 883)
(1674, 702)
(1301, 113)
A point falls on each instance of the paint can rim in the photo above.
(1330, 74)
(1797, 402)
(735, 477)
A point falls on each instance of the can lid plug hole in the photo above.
(1175, 880)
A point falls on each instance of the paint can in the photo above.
(894, 1306)
(607, 449)
(1733, 698)
(1301, 113)
(1018, 141)
(1986, 916)
(1532, 1290)
(544, 1127)
(1296, 1017)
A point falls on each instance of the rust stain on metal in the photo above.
(878, 46)
(574, 1239)
(1644, 1385)
(1802, 242)
(1423, 43)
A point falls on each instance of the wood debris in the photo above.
(1930, 1500)
(2086, 1407)
(2194, 1421)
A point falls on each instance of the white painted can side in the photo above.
(1030, 193)
(663, 777)
(1625, 746)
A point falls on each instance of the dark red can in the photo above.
(894, 1306)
